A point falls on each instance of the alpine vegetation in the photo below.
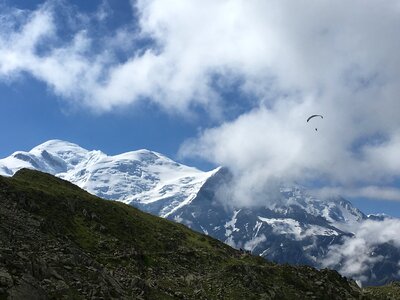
(60, 242)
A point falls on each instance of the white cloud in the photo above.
(357, 256)
(32, 48)
(337, 58)
(253, 243)
(324, 60)
(369, 191)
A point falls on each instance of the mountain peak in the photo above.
(58, 146)
(140, 176)
(141, 155)
(55, 143)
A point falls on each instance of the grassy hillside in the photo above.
(58, 241)
(389, 291)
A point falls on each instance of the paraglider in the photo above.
(313, 116)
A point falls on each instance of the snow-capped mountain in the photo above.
(139, 177)
(297, 228)
(294, 228)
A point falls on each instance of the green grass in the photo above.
(139, 245)
(389, 291)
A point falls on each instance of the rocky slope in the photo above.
(58, 241)
(389, 291)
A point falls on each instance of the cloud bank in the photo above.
(285, 61)
(358, 255)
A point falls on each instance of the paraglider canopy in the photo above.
(313, 116)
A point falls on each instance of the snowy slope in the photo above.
(297, 229)
(52, 157)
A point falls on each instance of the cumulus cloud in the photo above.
(358, 255)
(32, 45)
(285, 60)
(325, 60)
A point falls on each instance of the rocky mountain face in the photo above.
(294, 227)
(60, 242)
(298, 229)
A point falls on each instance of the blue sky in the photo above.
(32, 115)
(36, 114)
(214, 83)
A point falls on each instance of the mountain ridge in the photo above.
(58, 241)
(294, 227)
(140, 174)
